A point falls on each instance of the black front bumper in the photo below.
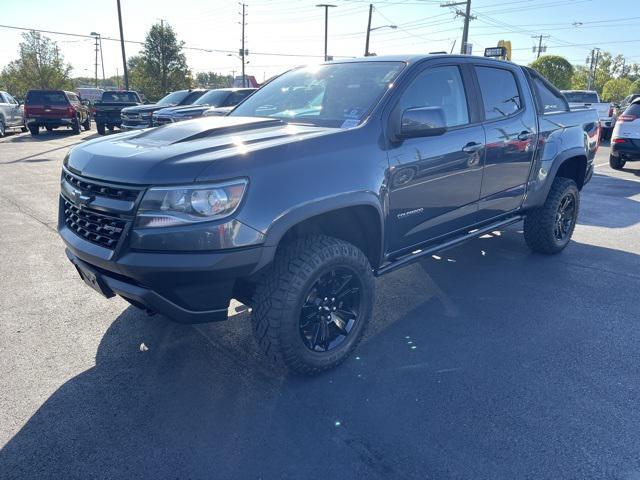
(186, 287)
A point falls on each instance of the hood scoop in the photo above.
(201, 128)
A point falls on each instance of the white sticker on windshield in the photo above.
(350, 123)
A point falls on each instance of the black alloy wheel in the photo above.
(330, 310)
(565, 217)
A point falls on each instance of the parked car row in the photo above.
(580, 99)
(124, 109)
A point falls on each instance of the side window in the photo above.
(72, 98)
(10, 99)
(235, 98)
(3, 98)
(439, 87)
(500, 93)
(550, 101)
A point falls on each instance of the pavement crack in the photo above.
(28, 213)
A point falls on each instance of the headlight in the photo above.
(171, 206)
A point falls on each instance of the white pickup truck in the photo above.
(590, 99)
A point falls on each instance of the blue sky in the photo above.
(297, 28)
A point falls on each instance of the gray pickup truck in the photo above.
(321, 180)
(11, 114)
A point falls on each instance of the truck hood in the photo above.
(183, 110)
(143, 108)
(180, 152)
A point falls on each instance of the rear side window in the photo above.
(633, 109)
(500, 94)
(439, 87)
(236, 97)
(116, 97)
(73, 97)
(46, 98)
(581, 97)
(549, 101)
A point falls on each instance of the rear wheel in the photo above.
(75, 126)
(100, 128)
(617, 163)
(548, 229)
(87, 123)
(111, 128)
(311, 310)
(35, 130)
(2, 129)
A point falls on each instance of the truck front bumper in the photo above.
(187, 287)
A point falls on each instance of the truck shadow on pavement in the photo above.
(481, 362)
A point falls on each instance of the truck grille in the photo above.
(95, 227)
(87, 186)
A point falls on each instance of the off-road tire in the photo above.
(280, 294)
(100, 128)
(540, 222)
(87, 124)
(617, 163)
(34, 131)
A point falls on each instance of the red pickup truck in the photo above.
(55, 108)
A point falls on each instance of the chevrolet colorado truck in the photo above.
(106, 112)
(321, 180)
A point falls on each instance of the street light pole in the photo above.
(366, 47)
(326, 26)
(124, 56)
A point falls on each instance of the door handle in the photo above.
(524, 135)
(472, 147)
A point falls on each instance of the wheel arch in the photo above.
(356, 218)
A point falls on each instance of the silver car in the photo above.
(11, 114)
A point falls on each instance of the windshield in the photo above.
(173, 98)
(581, 97)
(212, 97)
(116, 97)
(335, 95)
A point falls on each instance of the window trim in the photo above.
(511, 71)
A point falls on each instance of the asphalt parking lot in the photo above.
(487, 361)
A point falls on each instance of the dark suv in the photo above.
(324, 178)
(55, 108)
(139, 117)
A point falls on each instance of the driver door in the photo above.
(435, 181)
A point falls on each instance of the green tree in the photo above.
(161, 67)
(556, 69)
(616, 89)
(213, 80)
(39, 65)
(634, 88)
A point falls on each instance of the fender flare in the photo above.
(295, 215)
(541, 182)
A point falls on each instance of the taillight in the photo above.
(71, 112)
(610, 112)
(627, 118)
(26, 111)
(93, 110)
(619, 140)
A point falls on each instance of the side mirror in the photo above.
(423, 122)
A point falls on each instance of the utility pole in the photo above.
(124, 56)
(540, 47)
(326, 7)
(366, 47)
(98, 38)
(96, 64)
(595, 56)
(467, 18)
(243, 51)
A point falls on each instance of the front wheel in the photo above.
(100, 128)
(549, 228)
(617, 163)
(312, 308)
